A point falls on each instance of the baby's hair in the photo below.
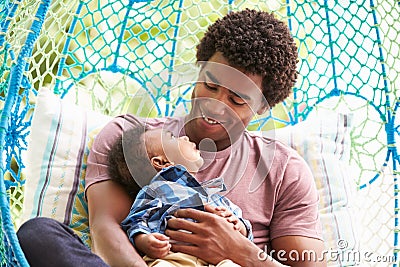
(129, 154)
(258, 43)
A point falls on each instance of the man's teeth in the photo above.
(210, 121)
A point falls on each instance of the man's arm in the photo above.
(299, 251)
(108, 205)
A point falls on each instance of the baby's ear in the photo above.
(160, 162)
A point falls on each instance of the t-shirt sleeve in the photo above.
(97, 162)
(296, 209)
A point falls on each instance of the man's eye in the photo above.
(210, 87)
(238, 101)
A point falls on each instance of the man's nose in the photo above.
(217, 105)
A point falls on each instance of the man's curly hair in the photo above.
(260, 44)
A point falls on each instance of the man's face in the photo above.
(224, 101)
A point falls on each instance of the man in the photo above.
(248, 64)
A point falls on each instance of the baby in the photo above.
(173, 187)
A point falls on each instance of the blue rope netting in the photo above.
(13, 131)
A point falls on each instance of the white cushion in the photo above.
(323, 140)
(59, 142)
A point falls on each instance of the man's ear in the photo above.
(160, 162)
(264, 107)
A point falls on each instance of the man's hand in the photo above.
(154, 245)
(229, 216)
(212, 237)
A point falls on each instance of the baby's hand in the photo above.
(229, 216)
(154, 245)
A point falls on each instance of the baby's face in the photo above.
(178, 150)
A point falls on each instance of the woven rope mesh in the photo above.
(103, 54)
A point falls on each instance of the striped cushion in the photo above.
(56, 162)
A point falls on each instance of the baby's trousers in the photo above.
(177, 259)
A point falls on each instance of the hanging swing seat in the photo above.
(69, 67)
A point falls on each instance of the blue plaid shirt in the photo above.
(171, 189)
